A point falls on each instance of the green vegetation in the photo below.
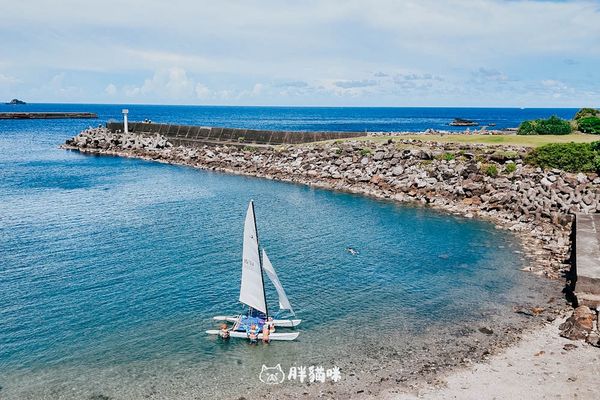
(550, 126)
(448, 156)
(572, 157)
(490, 170)
(365, 152)
(505, 155)
(585, 113)
(241, 139)
(510, 168)
(250, 149)
(526, 140)
(589, 125)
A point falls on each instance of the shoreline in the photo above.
(543, 257)
(539, 364)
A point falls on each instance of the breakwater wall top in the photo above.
(199, 135)
(47, 115)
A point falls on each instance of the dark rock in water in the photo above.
(486, 330)
(523, 310)
(99, 397)
(579, 325)
(16, 101)
(462, 122)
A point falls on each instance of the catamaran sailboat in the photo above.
(252, 290)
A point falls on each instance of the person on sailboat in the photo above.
(253, 333)
(266, 331)
(224, 332)
(270, 324)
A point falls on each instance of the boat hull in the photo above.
(282, 323)
(273, 336)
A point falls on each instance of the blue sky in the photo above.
(359, 53)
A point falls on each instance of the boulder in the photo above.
(579, 325)
(396, 171)
(593, 338)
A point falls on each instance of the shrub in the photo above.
(250, 149)
(550, 126)
(571, 157)
(510, 168)
(589, 125)
(448, 156)
(586, 112)
(365, 151)
(491, 170)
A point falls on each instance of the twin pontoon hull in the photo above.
(282, 323)
(272, 336)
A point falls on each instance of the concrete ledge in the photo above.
(196, 135)
(587, 258)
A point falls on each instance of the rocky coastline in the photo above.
(471, 180)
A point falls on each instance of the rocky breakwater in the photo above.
(490, 182)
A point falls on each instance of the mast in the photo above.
(260, 262)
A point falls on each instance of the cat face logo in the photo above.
(271, 375)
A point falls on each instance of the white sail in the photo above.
(284, 303)
(252, 289)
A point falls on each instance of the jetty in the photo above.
(189, 135)
(47, 115)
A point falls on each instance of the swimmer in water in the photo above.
(352, 251)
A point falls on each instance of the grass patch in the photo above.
(510, 168)
(514, 140)
(365, 152)
(448, 156)
(490, 170)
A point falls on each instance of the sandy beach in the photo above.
(542, 365)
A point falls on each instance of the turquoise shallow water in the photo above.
(111, 269)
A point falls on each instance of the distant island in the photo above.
(462, 122)
(16, 101)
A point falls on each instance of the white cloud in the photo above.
(316, 51)
(8, 80)
(110, 89)
(170, 83)
(202, 92)
(257, 89)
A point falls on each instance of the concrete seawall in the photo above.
(587, 259)
(199, 135)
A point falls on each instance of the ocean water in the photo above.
(372, 119)
(112, 268)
